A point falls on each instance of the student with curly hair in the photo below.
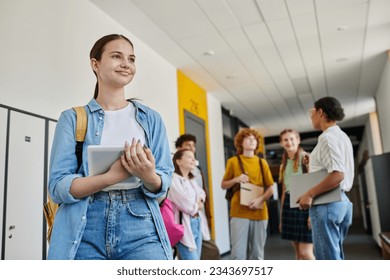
(248, 224)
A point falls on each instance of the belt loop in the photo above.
(111, 194)
(124, 198)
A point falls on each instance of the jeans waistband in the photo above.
(123, 195)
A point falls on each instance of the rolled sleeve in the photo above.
(63, 161)
(62, 192)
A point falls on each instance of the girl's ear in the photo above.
(94, 64)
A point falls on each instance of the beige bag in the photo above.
(248, 192)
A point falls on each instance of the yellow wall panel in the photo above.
(194, 99)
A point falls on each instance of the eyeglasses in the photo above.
(311, 111)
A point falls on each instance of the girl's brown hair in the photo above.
(296, 158)
(98, 50)
(178, 155)
(239, 138)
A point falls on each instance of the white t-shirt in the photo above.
(334, 152)
(121, 126)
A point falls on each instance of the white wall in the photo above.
(383, 105)
(371, 139)
(221, 215)
(44, 58)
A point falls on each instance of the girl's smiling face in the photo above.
(116, 67)
(290, 142)
(187, 162)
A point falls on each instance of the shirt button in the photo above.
(100, 118)
(75, 242)
(97, 133)
(83, 218)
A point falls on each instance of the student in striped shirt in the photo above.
(333, 153)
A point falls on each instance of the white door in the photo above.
(24, 216)
(3, 141)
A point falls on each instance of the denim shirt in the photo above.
(70, 220)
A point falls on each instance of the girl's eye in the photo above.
(116, 56)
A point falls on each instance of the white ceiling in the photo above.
(267, 61)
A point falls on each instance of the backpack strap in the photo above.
(81, 124)
(262, 172)
(261, 168)
(240, 164)
(81, 130)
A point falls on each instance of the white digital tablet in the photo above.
(300, 184)
(100, 159)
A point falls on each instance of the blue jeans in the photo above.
(120, 227)
(184, 252)
(330, 223)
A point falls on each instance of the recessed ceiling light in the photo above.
(342, 28)
(342, 59)
(209, 53)
(231, 77)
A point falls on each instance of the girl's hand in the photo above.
(306, 161)
(139, 161)
(117, 172)
(136, 161)
(200, 204)
(308, 223)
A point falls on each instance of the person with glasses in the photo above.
(333, 153)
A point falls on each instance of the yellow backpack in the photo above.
(50, 208)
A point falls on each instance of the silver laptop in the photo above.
(300, 184)
(100, 159)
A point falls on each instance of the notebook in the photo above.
(299, 184)
(100, 159)
(248, 192)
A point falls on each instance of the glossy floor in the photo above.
(358, 246)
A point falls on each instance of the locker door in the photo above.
(24, 217)
(3, 139)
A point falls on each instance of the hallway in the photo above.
(358, 246)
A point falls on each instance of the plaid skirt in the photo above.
(295, 223)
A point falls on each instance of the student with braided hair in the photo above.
(295, 223)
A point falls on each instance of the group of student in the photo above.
(315, 231)
(95, 221)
